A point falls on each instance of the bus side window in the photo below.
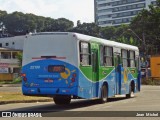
(102, 55)
(132, 59)
(124, 58)
(85, 53)
(108, 56)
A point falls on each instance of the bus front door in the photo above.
(117, 74)
(95, 73)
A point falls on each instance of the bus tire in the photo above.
(131, 91)
(104, 94)
(62, 100)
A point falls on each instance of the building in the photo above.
(9, 48)
(15, 42)
(9, 64)
(116, 12)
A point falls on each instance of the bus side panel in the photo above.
(85, 86)
(124, 87)
(86, 90)
(132, 76)
(107, 75)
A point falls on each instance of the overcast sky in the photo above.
(73, 10)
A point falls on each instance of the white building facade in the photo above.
(117, 12)
(15, 42)
(9, 63)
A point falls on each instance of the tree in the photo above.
(87, 28)
(108, 32)
(78, 23)
(17, 23)
(19, 57)
(147, 26)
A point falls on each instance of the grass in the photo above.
(150, 81)
(15, 81)
(6, 97)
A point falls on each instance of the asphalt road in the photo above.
(147, 100)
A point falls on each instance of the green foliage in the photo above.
(147, 26)
(15, 81)
(19, 57)
(150, 81)
(86, 28)
(108, 32)
(18, 23)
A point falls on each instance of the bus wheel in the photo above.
(104, 94)
(62, 100)
(131, 91)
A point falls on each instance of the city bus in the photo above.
(66, 65)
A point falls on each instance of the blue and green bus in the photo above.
(67, 66)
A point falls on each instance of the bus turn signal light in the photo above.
(23, 75)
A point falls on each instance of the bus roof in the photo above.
(88, 38)
(106, 42)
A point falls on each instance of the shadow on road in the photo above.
(74, 104)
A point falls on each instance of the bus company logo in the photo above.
(6, 114)
(66, 74)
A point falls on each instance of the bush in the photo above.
(16, 80)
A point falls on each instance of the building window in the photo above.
(108, 56)
(13, 43)
(85, 54)
(14, 55)
(132, 59)
(126, 2)
(124, 58)
(141, 5)
(7, 44)
(6, 55)
(16, 70)
(154, 3)
(9, 69)
(0, 44)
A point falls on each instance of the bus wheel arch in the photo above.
(104, 93)
(131, 89)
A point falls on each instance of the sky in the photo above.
(73, 10)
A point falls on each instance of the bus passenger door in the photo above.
(95, 72)
(118, 74)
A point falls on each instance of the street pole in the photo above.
(145, 55)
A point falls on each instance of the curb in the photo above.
(10, 85)
(24, 101)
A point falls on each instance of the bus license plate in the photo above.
(48, 81)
